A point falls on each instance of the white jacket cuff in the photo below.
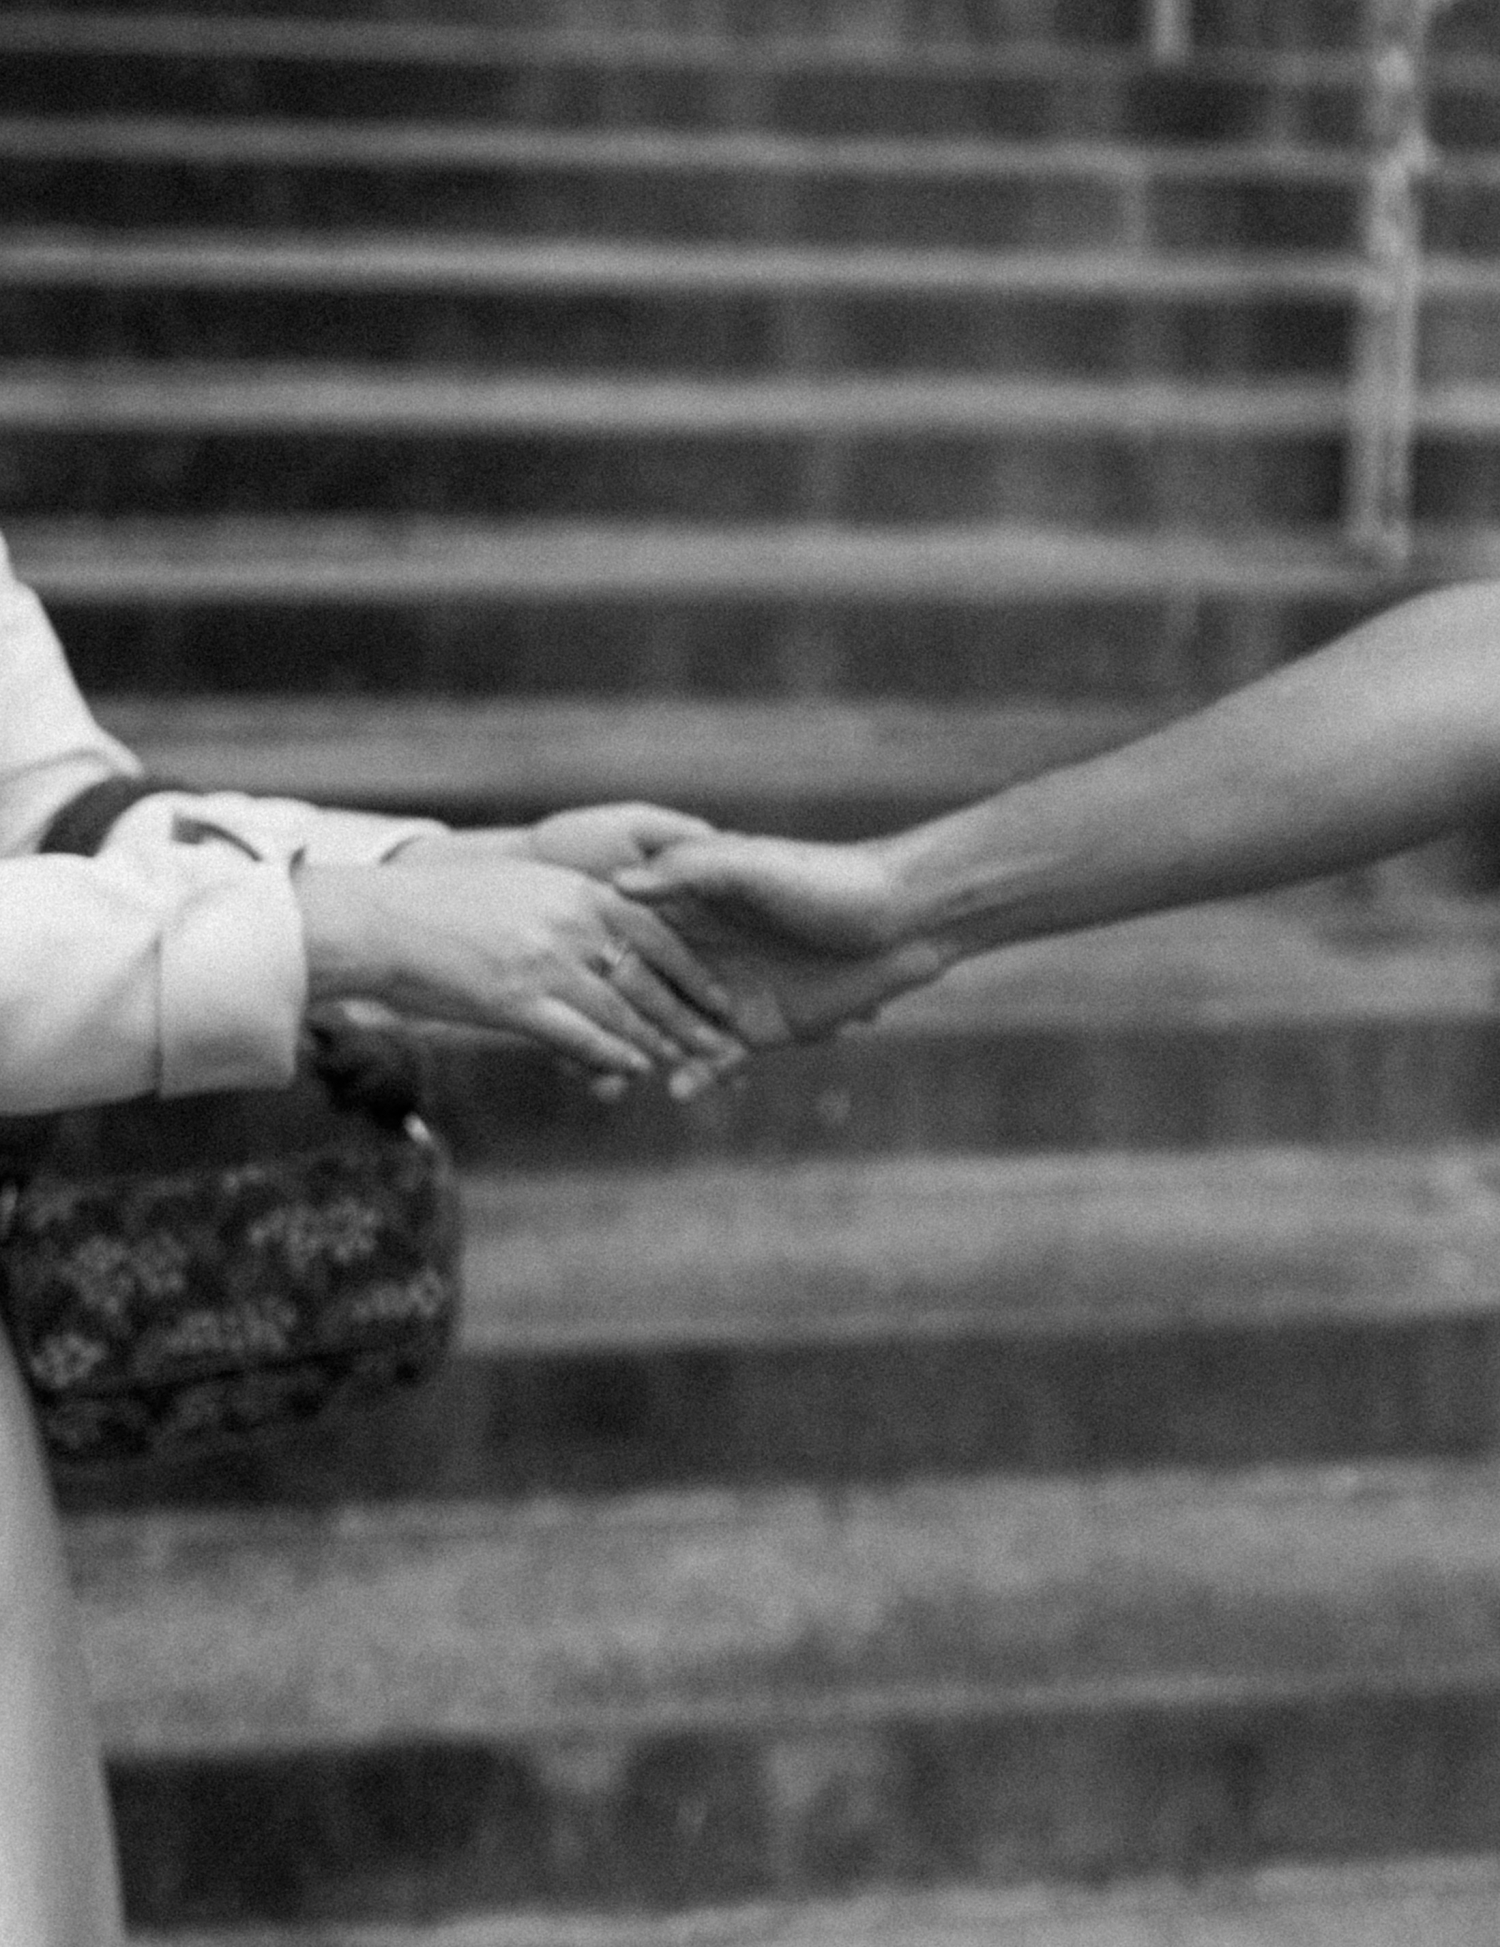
(282, 829)
(179, 971)
(232, 984)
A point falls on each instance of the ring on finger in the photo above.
(613, 957)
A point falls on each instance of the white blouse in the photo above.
(174, 961)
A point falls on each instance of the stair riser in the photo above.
(1130, 648)
(745, 333)
(875, 24)
(861, 1412)
(801, 767)
(844, 21)
(1176, 482)
(998, 1091)
(838, 97)
(1063, 210)
(1070, 208)
(1173, 481)
(542, 88)
(698, 1817)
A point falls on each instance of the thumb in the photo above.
(656, 827)
(642, 881)
(679, 868)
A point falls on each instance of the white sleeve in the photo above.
(284, 829)
(176, 973)
(50, 746)
(51, 749)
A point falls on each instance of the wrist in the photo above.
(345, 932)
(961, 887)
(905, 914)
(481, 845)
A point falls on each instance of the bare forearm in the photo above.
(1383, 740)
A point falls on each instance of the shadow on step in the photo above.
(878, 1410)
(669, 1819)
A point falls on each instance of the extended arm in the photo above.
(1382, 740)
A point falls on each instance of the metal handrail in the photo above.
(1169, 29)
(1385, 373)
(1384, 381)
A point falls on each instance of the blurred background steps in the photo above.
(1233, 1025)
(784, 73)
(1045, 1439)
(844, 1321)
(1124, 26)
(708, 186)
(801, 766)
(769, 1694)
(945, 614)
(818, 85)
(996, 203)
(1444, 1903)
(845, 306)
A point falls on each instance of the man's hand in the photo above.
(833, 898)
(511, 945)
(802, 935)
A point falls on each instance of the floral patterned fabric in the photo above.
(314, 1260)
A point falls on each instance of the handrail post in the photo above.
(1384, 380)
(1170, 30)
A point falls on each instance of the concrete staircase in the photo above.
(1025, 1472)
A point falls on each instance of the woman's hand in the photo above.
(520, 947)
(608, 838)
(596, 839)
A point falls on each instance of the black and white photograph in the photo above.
(749, 973)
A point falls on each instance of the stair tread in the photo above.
(271, 139)
(1441, 1901)
(1219, 1025)
(294, 1630)
(1221, 965)
(911, 1247)
(349, 558)
(199, 396)
(376, 260)
(194, 396)
(464, 40)
(823, 1323)
(230, 31)
(287, 141)
(1234, 961)
(561, 751)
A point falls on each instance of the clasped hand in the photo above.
(628, 938)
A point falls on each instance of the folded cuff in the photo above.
(284, 829)
(232, 985)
